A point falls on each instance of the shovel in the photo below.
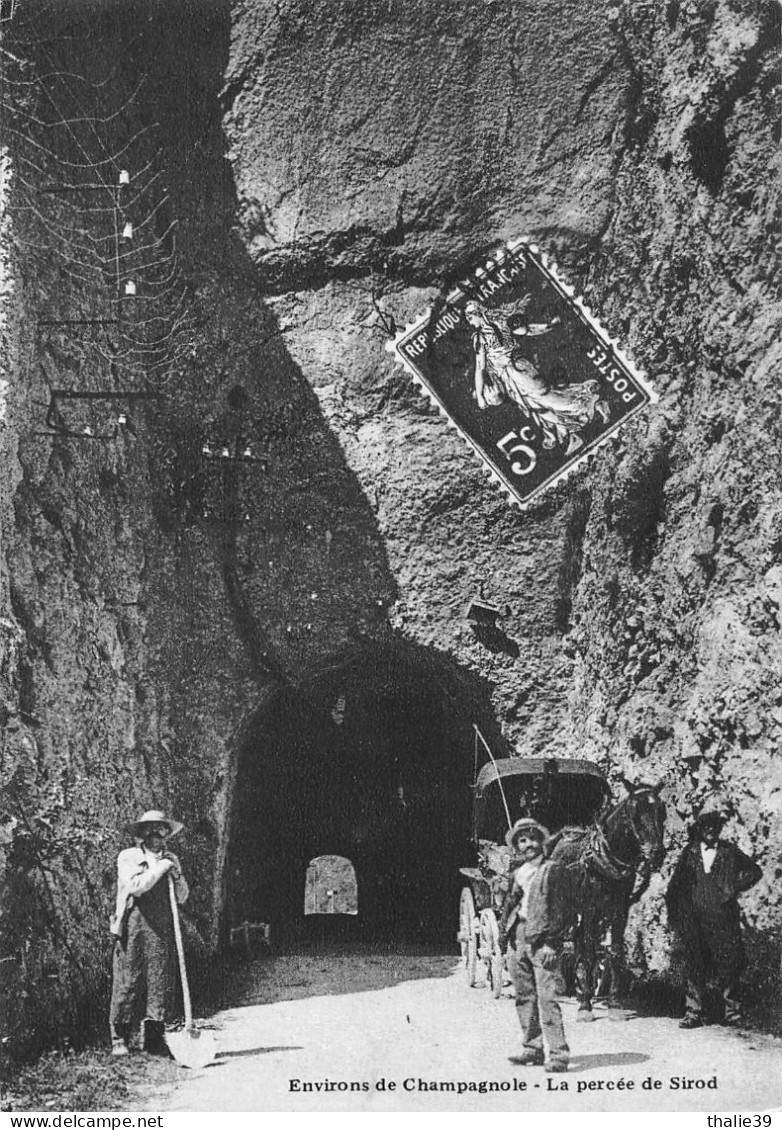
(190, 1046)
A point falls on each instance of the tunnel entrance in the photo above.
(371, 759)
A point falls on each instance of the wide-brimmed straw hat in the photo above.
(154, 816)
(526, 824)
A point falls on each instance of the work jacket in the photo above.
(550, 905)
(138, 870)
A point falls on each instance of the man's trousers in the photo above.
(537, 1006)
(714, 953)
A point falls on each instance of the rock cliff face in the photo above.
(637, 143)
(333, 167)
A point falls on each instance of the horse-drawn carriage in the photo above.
(605, 845)
(556, 793)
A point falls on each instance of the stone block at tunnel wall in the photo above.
(425, 126)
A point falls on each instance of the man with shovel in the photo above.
(145, 952)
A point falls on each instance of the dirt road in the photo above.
(334, 1031)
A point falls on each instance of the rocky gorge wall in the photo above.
(637, 143)
(333, 167)
(140, 630)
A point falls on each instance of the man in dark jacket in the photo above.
(703, 909)
(538, 913)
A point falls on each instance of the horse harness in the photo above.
(598, 858)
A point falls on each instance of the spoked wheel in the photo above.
(490, 952)
(467, 936)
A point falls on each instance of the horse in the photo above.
(607, 861)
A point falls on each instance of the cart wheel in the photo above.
(467, 936)
(490, 952)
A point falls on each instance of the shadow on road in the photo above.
(614, 1014)
(606, 1059)
(257, 1051)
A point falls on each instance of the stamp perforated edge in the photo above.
(393, 346)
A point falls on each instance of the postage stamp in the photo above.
(523, 370)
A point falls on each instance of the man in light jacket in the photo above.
(145, 961)
(539, 911)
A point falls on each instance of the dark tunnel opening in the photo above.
(372, 760)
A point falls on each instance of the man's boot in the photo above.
(529, 1057)
(693, 1002)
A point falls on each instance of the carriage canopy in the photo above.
(555, 791)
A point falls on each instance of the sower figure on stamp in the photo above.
(703, 909)
(145, 963)
(502, 375)
(538, 913)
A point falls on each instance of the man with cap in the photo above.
(538, 913)
(703, 909)
(145, 963)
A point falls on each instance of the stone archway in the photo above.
(371, 758)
